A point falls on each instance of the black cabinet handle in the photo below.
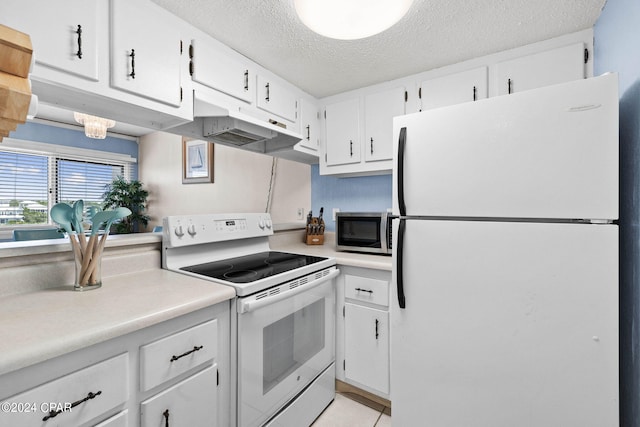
(79, 33)
(267, 86)
(174, 358)
(364, 290)
(308, 132)
(377, 329)
(90, 396)
(371, 145)
(351, 148)
(133, 64)
(509, 84)
(246, 79)
(165, 414)
(475, 94)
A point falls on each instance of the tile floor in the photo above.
(345, 412)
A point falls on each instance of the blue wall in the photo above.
(39, 132)
(617, 49)
(358, 194)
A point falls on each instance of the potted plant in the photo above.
(128, 194)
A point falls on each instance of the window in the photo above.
(31, 183)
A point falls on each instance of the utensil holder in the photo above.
(88, 260)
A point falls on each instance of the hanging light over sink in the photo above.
(94, 126)
(350, 19)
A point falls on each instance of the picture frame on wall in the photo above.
(197, 161)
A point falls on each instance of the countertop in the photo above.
(292, 242)
(37, 326)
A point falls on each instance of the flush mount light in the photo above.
(350, 19)
(94, 126)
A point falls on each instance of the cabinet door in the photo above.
(542, 69)
(379, 111)
(219, 71)
(192, 402)
(454, 89)
(145, 51)
(68, 43)
(309, 123)
(276, 99)
(342, 132)
(367, 346)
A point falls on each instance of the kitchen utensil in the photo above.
(98, 219)
(62, 214)
(78, 210)
(116, 214)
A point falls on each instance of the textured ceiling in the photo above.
(433, 34)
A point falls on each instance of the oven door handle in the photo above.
(248, 306)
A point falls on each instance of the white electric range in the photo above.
(283, 318)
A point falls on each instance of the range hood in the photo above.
(236, 129)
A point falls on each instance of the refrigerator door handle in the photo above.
(399, 253)
(401, 147)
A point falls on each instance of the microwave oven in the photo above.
(368, 232)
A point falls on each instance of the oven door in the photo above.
(282, 347)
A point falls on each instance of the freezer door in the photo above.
(545, 153)
(506, 324)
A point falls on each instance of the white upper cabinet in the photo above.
(379, 110)
(542, 69)
(68, 42)
(275, 98)
(453, 89)
(145, 51)
(309, 125)
(342, 132)
(218, 70)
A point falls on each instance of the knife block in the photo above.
(314, 234)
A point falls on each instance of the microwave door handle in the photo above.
(247, 306)
(399, 259)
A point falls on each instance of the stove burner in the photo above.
(240, 275)
(250, 268)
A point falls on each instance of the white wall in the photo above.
(241, 182)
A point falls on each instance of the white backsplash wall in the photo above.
(241, 182)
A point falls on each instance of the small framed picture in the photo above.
(197, 161)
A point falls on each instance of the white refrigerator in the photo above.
(505, 261)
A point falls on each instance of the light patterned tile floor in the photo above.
(345, 412)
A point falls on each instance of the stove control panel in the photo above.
(186, 230)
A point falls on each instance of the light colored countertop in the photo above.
(37, 326)
(292, 242)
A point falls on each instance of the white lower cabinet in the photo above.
(119, 420)
(192, 402)
(362, 329)
(174, 373)
(366, 352)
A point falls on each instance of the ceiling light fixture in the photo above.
(350, 19)
(94, 126)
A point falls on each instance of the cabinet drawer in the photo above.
(191, 402)
(171, 356)
(106, 380)
(364, 289)
(119, 420)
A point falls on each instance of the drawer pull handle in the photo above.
(53, 414)
(377, 328)
(364, 290)
(165, 414)
(174, 358)
(133, 64)
(79, 33)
